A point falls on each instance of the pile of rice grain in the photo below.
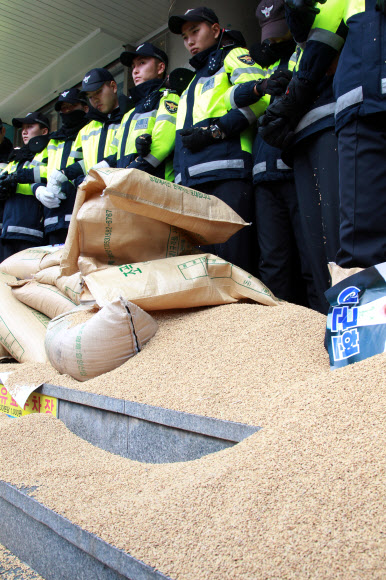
(302, 498)
(226, 361)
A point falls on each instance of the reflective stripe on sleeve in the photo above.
(152, 160)
(249, 114)
(351, 98)
(315, 115)
(383, 86)
(259, 167)
(177, 178)
(248, 70)
(281, 165)
(50, 221)
(81, 163)
(213, 165)
(67, 217)
(326, 37)
(37, 174)
(168, 118)
(76, 155)
(28, 231)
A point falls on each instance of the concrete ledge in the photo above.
(143, 432)
(58, 549)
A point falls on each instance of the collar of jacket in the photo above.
(144, 90)
(22, 154)
(199, 60)
(68, 133)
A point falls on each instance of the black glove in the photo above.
(277, 133)
(143, 144)
(278, 82)
(8, 184)
(304, 5)
(196, 138)
(281, 117)
(293, 104)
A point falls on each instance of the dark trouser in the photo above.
(238, 194)
(56, 237)
(283, 264)
(10, 247)
(362, 174)
(317, 186)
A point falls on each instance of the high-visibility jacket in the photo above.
(23, 215)
(93, 142)
(324, 42)
(208, 98)
(58, 152)
(155, 113)
(360, 79)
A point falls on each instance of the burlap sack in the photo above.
(338, 273)
(140, 218)
(48, 275)
(102, 235)
(26, 263)
(208, 219)
(181, 282)
(22, 329)
(4, 354)
(71, 286)
(42, 297)
(52, 259)
(100, 343)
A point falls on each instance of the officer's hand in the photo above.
(277, 83)
(143, 144)
(3, 176)
(57, 177)
(196, 138)
(276, 131)
(47, 198)
(8, 185)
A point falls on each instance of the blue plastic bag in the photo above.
(356, 321)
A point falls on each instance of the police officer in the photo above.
(360, 91)
(214, 144)
(146, 137)
(23, 216)
(302, 123)
(57, 206)
(283, 255)
(93, 141)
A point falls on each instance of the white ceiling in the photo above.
(47, 45)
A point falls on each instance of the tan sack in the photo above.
(85, 344)
(4, 354)
(22, 329)
(338, 273)
(71, 286)
(26, 263)
(207, 218)
(52, 259)
(102, 235)
(48, 275)
(181, 282)
(42, 297)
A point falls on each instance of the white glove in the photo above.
(101, 165)
(47, 198)
(56, 178)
